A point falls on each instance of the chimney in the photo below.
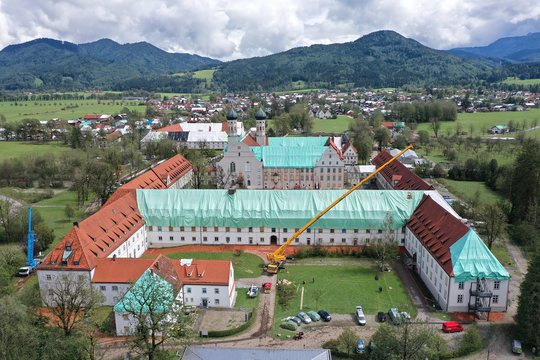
(76, 223)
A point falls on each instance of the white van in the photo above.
(360, 316)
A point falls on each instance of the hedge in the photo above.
(223, 333)
(458, 352)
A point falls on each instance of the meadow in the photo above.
(343, 288)
(515, 81)
(15, 149)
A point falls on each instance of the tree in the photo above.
(18, 338)
(347, 340)
(101, 178)
(69, 212)
(525, 188)
(410, 341)
(221, 179)
(200, 169)
(68, 298)
(494, 223)
(435, 125)
(384, 243)
(153, 305)
(382, 136)
(45, 235)
(528, 311)
(423, 137)
(317, 294)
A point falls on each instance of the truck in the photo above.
(267, 287)
(253, 291)
(277, 259)
(394, 315)
(31, 263)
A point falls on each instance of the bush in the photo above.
(239, 252)
(289, 325)
(285, 293)
(471, 342)
(222, 333)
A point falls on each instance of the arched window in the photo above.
(233, 167)
(249, 183)
(248, 167)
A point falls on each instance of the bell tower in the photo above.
(260, 117)
(232, 131)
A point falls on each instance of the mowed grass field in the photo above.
(16, 149)
(204, 74)
(344, 287)
(47, 110)
(244, 301)
(467, 190)
(245, 266)
(326, 126)
(515, 81)
(487, 120)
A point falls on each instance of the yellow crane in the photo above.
(277, 258)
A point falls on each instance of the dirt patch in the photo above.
(222, 319)
(465, 317)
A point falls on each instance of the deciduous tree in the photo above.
(494, 223)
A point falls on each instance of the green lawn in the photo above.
(72, 109)
(467, 189)
(56, 219)
(244, 301)
(204, 74)
(337, 126)
(64, 198)
(15, 149)
(344, 287)
(245, 265)
(487, 120)
(514, 81)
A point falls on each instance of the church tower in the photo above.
(260, 134)
(232, 131)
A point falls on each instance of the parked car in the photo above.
(516, 347)
(405, 317)
(360, 316)
(305, 318)
(296, 319)
(394, 316)
(324, 315)
(382, 316)
(360, 349)
(314, 316)
(289, 325)
(451, 326)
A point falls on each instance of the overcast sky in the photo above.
(232, 29)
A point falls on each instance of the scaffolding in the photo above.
(480, 299)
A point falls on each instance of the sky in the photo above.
(233, 29)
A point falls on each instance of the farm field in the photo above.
(514, 81)
(245, 266)
(487, 120)
(73, 109)
(15, 149)
(204, 74)
(344, 287)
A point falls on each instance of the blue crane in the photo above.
(31, 263)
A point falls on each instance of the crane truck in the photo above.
(31, 263)
(277, 259)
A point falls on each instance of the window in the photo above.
(233, 167)
(328, 178)
(297, 240)
(320, 231)
(115, 288)
(262, 229)
(239, 239)
(273, 230)
(204, 290)
(248, 167)
(216, 238)
(343, 231)
(193, 228)
(356, 231)
(461, 285)
(331, 241)
(328, 170)
(331, 231)
(103, 288)
(227, 229)
(160, 238)
(285, 230)
(50, 292)
(495, 299)
(334, 170)
(460, 299)
(261, 239)
(204, 229)
(368, 231)
(445, 294)
(126, 317)
(440, 287)
(49, 277)
(228, 239)
(189, 290)
(217, 301)
(216, 290)
(216, 229)
(250, 229)
(205, 238)
(181, 228)
(238, 230)
(171, 228)
(309, 231)
(159, 228)
(343, 241)
(171, 238)
(379, 231)
(193, 238)
(496, 285)
(150, 228)
(322, 170)
(182, 238)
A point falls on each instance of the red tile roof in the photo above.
(250, 140)
(224, 126)
(214, 272)
(171, 128)
(408, 181)
(120, 270)
(92, 116)
(437, 230)
(173, 169)
(331, 143)
(347, 145)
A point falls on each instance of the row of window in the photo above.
(216, 290)
(190, 300)
(494, 299)
(250, 229)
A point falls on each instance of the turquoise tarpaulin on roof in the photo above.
(297, 141)
(138, 298)
(471, 259)
(289, 157)
(276, 208)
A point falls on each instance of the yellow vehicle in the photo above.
(277, 259)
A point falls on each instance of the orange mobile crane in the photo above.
(277, 259)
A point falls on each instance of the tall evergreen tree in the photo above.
(525, 194)
(528, 312)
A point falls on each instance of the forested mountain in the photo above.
(380, 59)
(61, 65)
(517, 48)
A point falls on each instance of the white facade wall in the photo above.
(184, 182)
(113, 292)
(160, 237)
(134, 246)
(350, 157)
(451, 296)
(47, 278)
(239, 160)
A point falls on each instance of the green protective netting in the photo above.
(297, 141)
(289, 157)
(133, 301)
(276, 208)
(471, 259)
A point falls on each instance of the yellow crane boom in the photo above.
(279, 254)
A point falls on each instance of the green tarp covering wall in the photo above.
(471, 259)
(276, 208)
(288, 152)
(134, 299)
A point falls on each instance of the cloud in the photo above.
(230, 29)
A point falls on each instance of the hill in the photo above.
(61, 65)
(380, 59)
(517, 48)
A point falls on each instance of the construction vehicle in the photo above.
(277, 259)
(31, 263)
(253, 291)
(267, 287)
